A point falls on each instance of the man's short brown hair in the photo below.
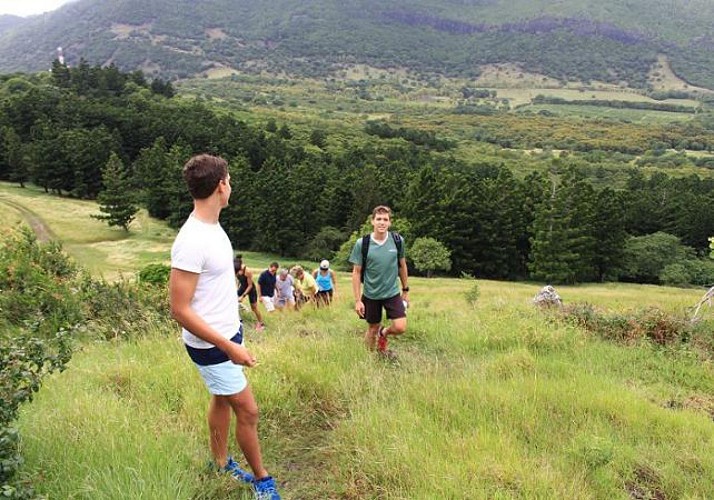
(381, 209)
(202, 174)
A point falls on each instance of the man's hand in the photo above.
(359, 308)
(240, 355)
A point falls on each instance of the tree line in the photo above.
(295, 196)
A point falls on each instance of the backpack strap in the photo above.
(398, 241)
(365, 250)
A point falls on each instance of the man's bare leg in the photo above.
(397, 327)
(219, 421)
(370, 337)
(246, 410)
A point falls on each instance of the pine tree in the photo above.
(609, 233)
(14, 151)
(563, 245)
(115, 201)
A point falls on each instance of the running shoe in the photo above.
(265, 489)
(381, 340)
(259, 327)
(236, 472)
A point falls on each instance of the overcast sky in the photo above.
(29, 7)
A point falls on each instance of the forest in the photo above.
(297, 196)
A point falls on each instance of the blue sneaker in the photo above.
(265, 489)
(236, 472)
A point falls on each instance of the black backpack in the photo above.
(365, 250)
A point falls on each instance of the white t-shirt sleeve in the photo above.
(187, 255)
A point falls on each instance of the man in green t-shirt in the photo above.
(384, 263)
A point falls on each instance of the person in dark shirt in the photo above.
(266, 286)
(246, 286)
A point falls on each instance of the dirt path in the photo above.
(42, 231)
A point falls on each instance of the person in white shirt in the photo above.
(204, 300)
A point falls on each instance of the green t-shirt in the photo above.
(380, 278)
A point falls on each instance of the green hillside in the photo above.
(573, 40)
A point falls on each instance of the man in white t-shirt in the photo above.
(203, 300)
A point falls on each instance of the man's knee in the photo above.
(399, 326)
(248, 415)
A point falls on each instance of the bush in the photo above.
(325, 244)
(155, 274)
(429, 255)
(473, 293)
(645, 257)
(675, 274)
(654, 324)
(45, 300)
(36, 284)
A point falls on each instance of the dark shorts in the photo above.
(212, 355)
(252, 295)
(324, 297)
(373, 309)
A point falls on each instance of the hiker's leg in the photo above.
(219, 419)
(397, 313)
(246, 410)
(370, 337)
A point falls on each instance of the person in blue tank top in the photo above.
(326, 283)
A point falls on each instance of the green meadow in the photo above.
(488, 398)
(631, 115)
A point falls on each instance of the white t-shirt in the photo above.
(205, 249)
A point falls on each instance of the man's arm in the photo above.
(404, 278)
(257, 287)
(182, 286)
(357, 289)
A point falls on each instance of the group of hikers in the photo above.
(280, 289)
(204, 300)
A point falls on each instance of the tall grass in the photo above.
(495, 401)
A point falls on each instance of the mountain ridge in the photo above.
(581, 40)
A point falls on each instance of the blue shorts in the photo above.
(223, 379)
(221, 375)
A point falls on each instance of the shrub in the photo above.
(36, 283)
(675, 274)
(645, 257)
(24, 362)
(701, 272)
(429, 255)
(123, 309)
(656, 325)
(155, 274)
(474, 292)
(45, 299)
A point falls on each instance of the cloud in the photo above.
(29, 7)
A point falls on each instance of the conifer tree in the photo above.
(115, 201)
(563, 245)
(609, 233)
(15, 157)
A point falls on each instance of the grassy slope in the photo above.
(105, 251)
(492, 401)
(486, 402)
